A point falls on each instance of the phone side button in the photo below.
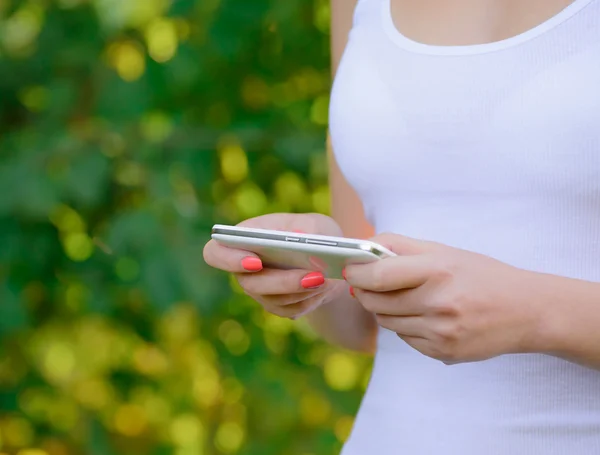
(321, 242)
(292, 239)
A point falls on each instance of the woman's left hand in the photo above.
(449, 304)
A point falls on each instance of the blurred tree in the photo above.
(127, 128)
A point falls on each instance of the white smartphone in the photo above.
(291, 250)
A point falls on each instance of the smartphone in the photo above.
(291, 250)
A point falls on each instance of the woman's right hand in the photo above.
(286, 293)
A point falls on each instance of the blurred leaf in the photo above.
(127, 129)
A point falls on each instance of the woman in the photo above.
(469, 130)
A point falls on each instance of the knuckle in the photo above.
(441, 269)
(448, 333)
(449, 306)
(445, 266)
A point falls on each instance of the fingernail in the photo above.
(344, 274)
(298, 232)
(352, 291)
(252, 264)
(312, 280)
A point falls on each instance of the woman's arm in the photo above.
(344, 321)
(570, 321)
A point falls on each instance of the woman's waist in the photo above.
(511, 389)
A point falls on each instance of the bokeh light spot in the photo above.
(250, 200)
(75, 296)
(291, 190)
(314, 409)
(59, 362)
(17, 432)
(93, 393)
(206, 388)
(150, 360)
(234, 337)
(67, 220)
(32, 452)
(78, 246)
(229, 437)
(34, 98)
(156, 126)
(20, 31)
(341, 371)
(127, 58)
(321, 199)
(130, 173)
(319, 113)
(343, 428)
(162, 39)
(234, 163)
(130, 420)
(322, 16)
(277, 325)
(187, 430)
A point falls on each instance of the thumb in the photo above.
(401, 244)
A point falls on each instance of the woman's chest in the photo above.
(484, 126)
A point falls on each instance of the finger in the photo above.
(299, 222)
(408, 326)
(289, 299)
(391, 274)
(274, 281)
(402, 245)
(397, 303)
(296, 310)
(231, 259)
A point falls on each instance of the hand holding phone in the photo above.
(282, 291)
(291, 250)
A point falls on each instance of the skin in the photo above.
(468, 22)
(449, 304)
(457, 306)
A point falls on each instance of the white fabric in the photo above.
(493, 148)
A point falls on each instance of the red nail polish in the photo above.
(252, 264)
(344, 274)
(352, 291)
(312, 280)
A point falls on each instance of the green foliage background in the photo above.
(127, 128)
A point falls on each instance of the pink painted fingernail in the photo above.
(352, 291)
(344, 274)
(252, 264)
(298, 232)
(313, 280)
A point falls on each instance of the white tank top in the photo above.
(493, 148)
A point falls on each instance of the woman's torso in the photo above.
(494, 148)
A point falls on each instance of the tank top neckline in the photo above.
(411, 45)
